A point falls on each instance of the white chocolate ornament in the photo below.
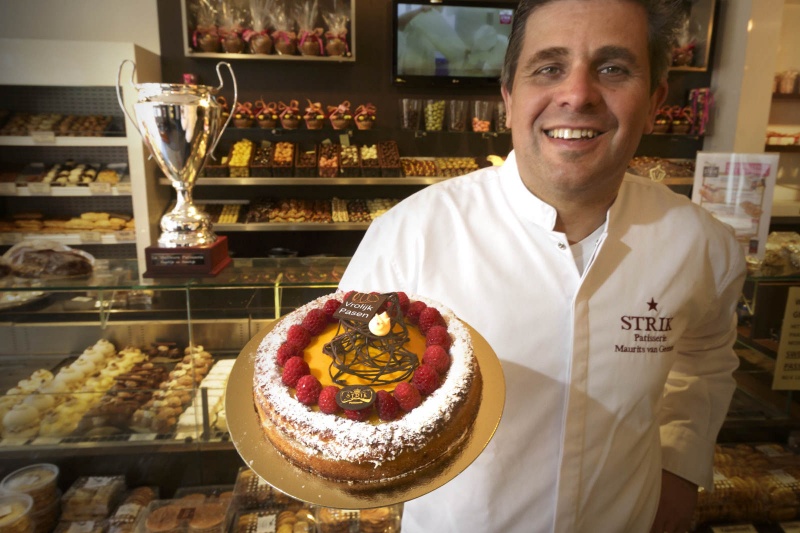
(380, 324)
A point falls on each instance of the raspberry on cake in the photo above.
(369, 399)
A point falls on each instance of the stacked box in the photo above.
(370, 166)
(283, 160)
(350, 162)
(305, 165)
(328, 160)
(389, 158)
(261, 164)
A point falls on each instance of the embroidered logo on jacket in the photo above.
(649, 332)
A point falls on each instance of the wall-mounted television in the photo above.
(449, 42)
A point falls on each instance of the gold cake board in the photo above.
(261, 456)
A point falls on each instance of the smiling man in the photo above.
(609, 300)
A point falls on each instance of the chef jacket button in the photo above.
(562, 246)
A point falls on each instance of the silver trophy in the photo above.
(181, 125)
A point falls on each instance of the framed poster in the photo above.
(737, 190)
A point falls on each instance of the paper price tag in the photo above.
(47, 440)
(344, 139)
(8, 189)
(266, 524)
(245, 263)
(124, 187)
(90, 237)
(43, 137)
(127, 235)
(142, 437)
(95, 482)
(81, 527)
(103, 189)
(790, 527)
(739, 528)
(39, 188)
(12, 237)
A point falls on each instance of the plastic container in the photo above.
(410, 109)
(178, 515)
(39, 481)
(457, 115)
(44, 520)
(92, 498)
(481, 116)
(15, 511)
(433, 112)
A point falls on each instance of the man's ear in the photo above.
(507, 100)
(657, 99)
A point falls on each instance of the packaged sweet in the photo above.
(92, 498)
(47, 260)
(258, 38)
(284, 37)
(231, 18)
(205, 37)
(336, 34)
(309, 37)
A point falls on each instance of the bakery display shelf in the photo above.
(294, 181)
(270, 57)
(292, 226)
(688, 69)
(786, 148)
(113, 444)
(71, 239)
(687, 136)
(51, 140)
(42, 189)
(780, 96)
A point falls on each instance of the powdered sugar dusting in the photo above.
(338, 438)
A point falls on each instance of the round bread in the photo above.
(163, 520)
(208, 516)
(339, 448)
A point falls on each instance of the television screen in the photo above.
(452, 42)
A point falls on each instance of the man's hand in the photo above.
(676, 506)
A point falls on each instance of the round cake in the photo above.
(367, 387)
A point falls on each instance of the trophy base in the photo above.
(187, 261)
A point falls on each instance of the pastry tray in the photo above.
(260, 455)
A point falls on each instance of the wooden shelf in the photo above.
(293, 181)
(787, 148)
(26, 140)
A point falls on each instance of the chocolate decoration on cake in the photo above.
(355, 397)
(355, 351)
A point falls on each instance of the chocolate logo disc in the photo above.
(360, 306)
(355, 397)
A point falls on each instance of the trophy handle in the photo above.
(233, 106)
(119, 93)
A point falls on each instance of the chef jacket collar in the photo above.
(529, 207)
(525, 204)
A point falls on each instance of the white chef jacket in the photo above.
(610, 376)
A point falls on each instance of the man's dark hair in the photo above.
(664, 20)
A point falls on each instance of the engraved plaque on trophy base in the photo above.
(187, 261)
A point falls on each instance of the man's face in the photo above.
(581, 97)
